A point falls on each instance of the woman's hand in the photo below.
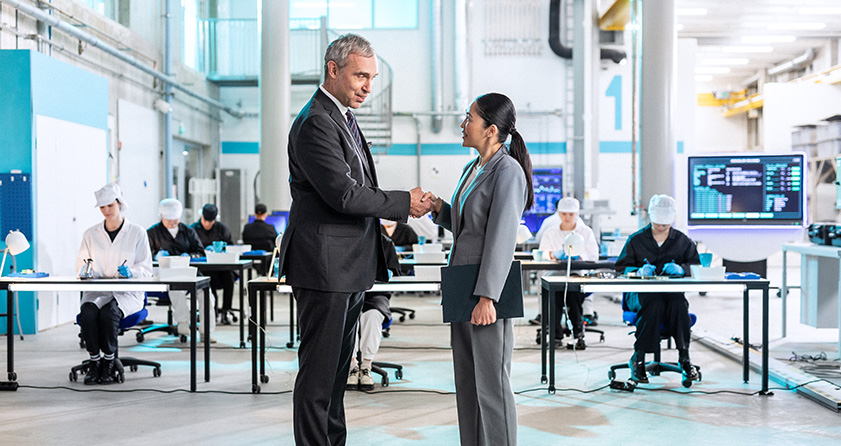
(484, 313)
(436, 202)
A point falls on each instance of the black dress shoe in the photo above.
(578, 345)
(92, 376)
(535, 321)
(637, 366)
(690, 372)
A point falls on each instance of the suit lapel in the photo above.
(481, 176)
(364, 155)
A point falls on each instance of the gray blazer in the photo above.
(484, 220)
(332, 242)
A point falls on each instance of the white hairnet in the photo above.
(523, 234)
(170, 209)
(568, 204)
(107, 194)
(661, 209)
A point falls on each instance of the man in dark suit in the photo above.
(331, 250)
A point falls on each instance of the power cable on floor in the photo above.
(73, 389)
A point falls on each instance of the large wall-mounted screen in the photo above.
(548, 188)
(747, 189)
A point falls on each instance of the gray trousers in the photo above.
(487, 413)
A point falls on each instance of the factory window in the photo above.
(354, 14)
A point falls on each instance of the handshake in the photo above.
(423, 203)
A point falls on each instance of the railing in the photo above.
(230, 49)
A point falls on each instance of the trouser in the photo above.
(328, 324)
(370, 334)
(223, 280)
(574, 304)
(100, 326)
(487, 413)
(655, 310)
(181, 309)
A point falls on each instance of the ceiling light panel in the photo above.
(725, 61)
(747, 49)
(819, 11)
(768, 39)
(691, 11)
(798, 26)
(712, 70)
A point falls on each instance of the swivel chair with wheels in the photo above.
(378, 366)
(656, 366)
(169, 327)
(126, 323)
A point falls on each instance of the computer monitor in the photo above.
(547, 183)
(278, 219)
(747, 189)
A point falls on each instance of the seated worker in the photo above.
(210, 230)
(375, 311)
(553, 242)
(170, 237)
(259, 234)
(659, 249)
(118, 249)
(401, 234)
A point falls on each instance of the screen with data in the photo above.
(746, 189)
(547, 183)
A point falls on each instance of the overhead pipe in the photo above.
(168, 192)
(565, 52)
(794, 64)
(96, 43)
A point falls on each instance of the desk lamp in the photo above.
(275, 252)
(16, 243)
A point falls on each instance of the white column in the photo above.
(657, 100)
(275, 81)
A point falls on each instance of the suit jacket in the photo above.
(332, 242)
(484, 219)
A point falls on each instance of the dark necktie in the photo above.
(354, 129)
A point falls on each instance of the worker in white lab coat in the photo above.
(116, 248)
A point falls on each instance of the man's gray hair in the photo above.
(340, 49)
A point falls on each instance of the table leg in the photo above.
(544, 328)
(208, 313)
(746, 335)
(765, 346)
(262, 335)
(252, 333)
(553, 324)
(784, 292)
(10, 338)
(193, 322)
(242, 307)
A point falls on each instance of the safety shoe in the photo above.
(535, 321)
(366, 382)
(108, 372)
(637, 366)
(94, 369)
(183, 329)
(353, 379)
(690, 372)
(578, 345)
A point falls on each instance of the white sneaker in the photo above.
(366, 382)
(184, 328)
(353, 378)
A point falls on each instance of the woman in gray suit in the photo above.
(494, 190)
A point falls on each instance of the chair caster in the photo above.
(384, 381)
(611, 375)
(73, 377)
(398, 374)
(289, 345)
(255, 388)
(156, 372)
(411, 315)
(140, 337)
(242, 345)
(182, 338)
(12, 376)
(601, 339)
(132, 368)
(402, 318)
(264, 379)
(543, 380)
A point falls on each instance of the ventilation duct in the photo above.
(566, 52)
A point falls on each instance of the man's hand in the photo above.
(419, 206)
(436, 201)
(484, 313)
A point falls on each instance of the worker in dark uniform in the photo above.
(659, 249)
(210, 230)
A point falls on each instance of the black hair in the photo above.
(497, 109)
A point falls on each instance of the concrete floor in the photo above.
(420, 408)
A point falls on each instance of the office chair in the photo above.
(162, 298)
(565, 331)
(656, 366)
(378, 366)
(126, 323)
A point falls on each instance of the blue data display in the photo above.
(746, 189)
(278, 219)
(547, 183)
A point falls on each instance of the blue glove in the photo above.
(559, 254)
(209, 248)
(673, 269)
(125, 272)
(184, 254)
(161, 253)
(575, 258)
(646, 270)
(390, 274)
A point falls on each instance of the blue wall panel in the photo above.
(62, 91)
